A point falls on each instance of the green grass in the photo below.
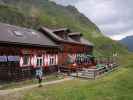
(11, 85)
(116, 86)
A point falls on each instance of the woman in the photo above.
(39, 74)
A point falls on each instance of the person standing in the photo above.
(39, 74)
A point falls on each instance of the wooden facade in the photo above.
(23, 50)
(17, 63)
(74, 56)
(72, 48)
(19, 58)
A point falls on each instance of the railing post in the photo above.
(94, 74)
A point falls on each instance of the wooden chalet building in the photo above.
(76, 51)
(22, 50)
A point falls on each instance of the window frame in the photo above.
(40, 59)
(28, 62)
(51, 61)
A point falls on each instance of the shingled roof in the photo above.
(17, 35)
(75, 33)
(61, 29)
(55, 37)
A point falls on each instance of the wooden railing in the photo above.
(108, 64)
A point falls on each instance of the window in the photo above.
(34, 33)
(65, 36)
(13, 58)
(18, 33)
(3, 59)
(51, 61)
(39, 61)
(26, 60)
(79, 58)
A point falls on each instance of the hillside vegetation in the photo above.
(35, 13)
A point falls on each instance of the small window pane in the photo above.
(18, 33)
(34, 33)
(37, 62)
(40, 62)
(13, 58)
(51, 61)
(26, 60)
(3, 59)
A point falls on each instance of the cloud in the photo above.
(114, 17)
(122, 35)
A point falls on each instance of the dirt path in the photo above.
(8, 91)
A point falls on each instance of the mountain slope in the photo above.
(34, 13)
(12, 15)
(128, 42)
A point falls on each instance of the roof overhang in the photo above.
(29, 45)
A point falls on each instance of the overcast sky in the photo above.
(113, 17)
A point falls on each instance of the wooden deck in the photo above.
(93, 73)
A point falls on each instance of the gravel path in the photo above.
(8, 91)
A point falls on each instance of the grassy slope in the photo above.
(34, 13)
(12, 15)
(116, 86)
